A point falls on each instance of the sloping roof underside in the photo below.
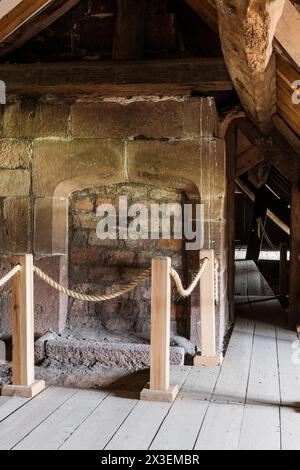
(286, 44)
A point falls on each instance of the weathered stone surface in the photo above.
(76, 165)
(147, 117)
(123, 356)
(200, 118)
(14, 154)
(156, 162)
(122, 118)
(30, 118)
(40, 347)
(213, 184)
(50, 306)
(16, 226)
(14, 183)
(51, 226)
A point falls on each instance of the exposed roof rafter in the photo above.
(27, 19)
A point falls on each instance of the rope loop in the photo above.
(4, 280)
(91, 298)
(187, 292)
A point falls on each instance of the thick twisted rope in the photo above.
(262, 231)
(187, 292)
(92, 298)
(4, 280)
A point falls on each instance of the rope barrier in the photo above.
(138, 280)
(4, 280)
(262, 231)
(91, 298)
(187, 292)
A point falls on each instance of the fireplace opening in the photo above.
(102, 342)
(106, 265)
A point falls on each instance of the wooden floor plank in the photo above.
(221, 428)
(17, 426)
(289, 367)
(233, 380)
(289, 371)
(200, 383)
(55, 430)
(263, 388)
(238, 406)
(261, 420)
(181, 427)
(260, 428)
(140, 428)
(290, 428)
(9, 405)
(101, 425)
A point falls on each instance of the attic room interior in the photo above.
(150, 226)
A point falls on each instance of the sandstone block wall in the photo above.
(52, 147)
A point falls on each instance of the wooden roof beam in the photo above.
(28, 18)
(247, 29)
(287, 38)
(19, 14)
(124, 78)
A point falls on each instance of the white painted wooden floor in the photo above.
(252, 402)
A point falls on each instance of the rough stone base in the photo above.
(96, 377)
(88, 348)
(95, 359)
(109, 355)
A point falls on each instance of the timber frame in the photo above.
(182, 76)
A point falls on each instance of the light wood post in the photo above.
(24, 383)
(209, 355)
(159, 388)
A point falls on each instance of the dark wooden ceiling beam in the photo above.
(129, 29)
(125, 78)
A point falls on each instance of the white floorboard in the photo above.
(142, 424)
(233, 380)
(18, 425)
(251, 403)
(221, 428)
(55, 430)
(101, 425)
(9, 405)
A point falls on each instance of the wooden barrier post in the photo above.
(160, 388)
(209, 355)
(24, 384)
